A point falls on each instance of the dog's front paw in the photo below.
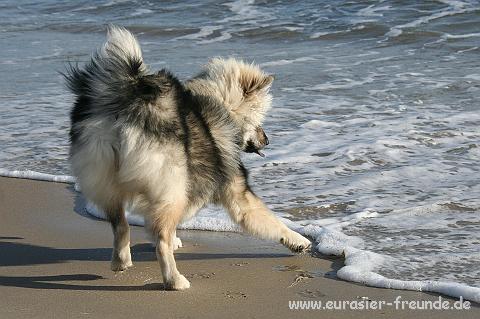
(178, 283)
(296, 242)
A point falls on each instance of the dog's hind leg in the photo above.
(163, 224)
(121, 257)
(253, 215)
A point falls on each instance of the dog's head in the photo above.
(244, 90)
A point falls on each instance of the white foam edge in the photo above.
(209, 221)
(37, 176)
(360, 264)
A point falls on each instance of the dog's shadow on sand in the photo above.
(22, 254)
(53, 282)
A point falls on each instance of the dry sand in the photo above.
(54, 263)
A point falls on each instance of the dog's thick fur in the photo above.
(171, 148)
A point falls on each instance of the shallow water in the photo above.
(376, 107)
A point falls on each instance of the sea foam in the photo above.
(37, 176)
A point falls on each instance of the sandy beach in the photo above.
(54, 263)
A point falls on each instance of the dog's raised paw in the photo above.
(296, 242)
(301, 248)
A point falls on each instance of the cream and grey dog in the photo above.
(170, 147)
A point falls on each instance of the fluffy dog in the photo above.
(144, 137)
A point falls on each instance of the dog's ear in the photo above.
(253, 84)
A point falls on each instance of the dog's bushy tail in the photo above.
(113, 75)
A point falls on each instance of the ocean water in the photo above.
(375, 126)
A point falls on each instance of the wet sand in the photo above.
(54, 263)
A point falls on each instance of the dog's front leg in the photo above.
(253, 215)
(163, 224)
